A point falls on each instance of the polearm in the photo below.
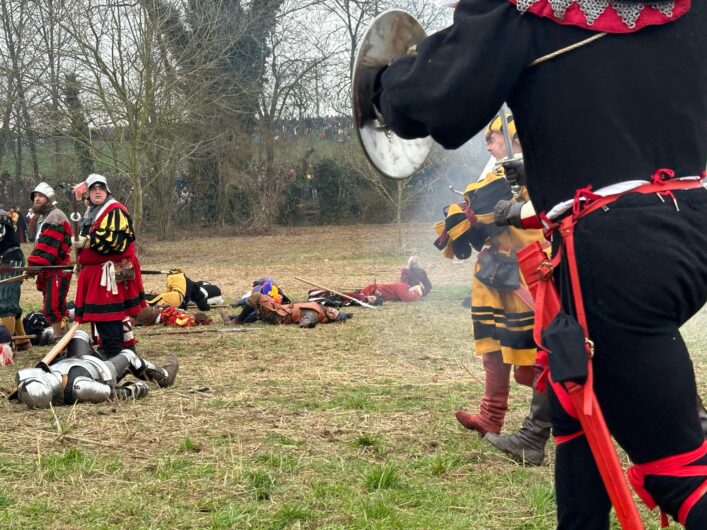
(4, 269)
(197, 332)
(75, 218)
(20, 278)
(359, 302)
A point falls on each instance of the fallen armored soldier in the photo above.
(305, 314)
(170, 316)
(81, 376)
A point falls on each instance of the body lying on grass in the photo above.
(263, 285)
(82, 376)
(306, 314)
(413, 285)
(181, 290)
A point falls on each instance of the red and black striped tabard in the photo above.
(53, 244)
(52, 247)
(111, 238)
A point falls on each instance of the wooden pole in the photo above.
(23, 337)
(20, 278)
(359, 302)
(58, 347)
(196, 332)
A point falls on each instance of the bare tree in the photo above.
(18, 58)
(289, 89)
(134, 97)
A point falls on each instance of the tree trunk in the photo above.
(137, 204)
(79, 132)
(5, 131)
(18, 154)
(31, 133)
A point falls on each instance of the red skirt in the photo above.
(94, 303)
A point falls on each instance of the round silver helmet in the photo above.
(46, 190)
(37, 388)
(95, 178)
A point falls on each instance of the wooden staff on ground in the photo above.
(359, 302)
(197, 332)
(23, 337)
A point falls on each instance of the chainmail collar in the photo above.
(627, 10)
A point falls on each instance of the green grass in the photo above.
(346, 426)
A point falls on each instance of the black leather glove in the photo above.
(508, 213)
(515, 172)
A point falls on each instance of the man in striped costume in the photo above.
(501, 311)
(109, 288)
(52, 246)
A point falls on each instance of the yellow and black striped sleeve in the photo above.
(114, 233)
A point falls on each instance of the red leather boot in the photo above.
(494, 402)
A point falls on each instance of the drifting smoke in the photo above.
(447, 168)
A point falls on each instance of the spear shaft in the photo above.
(69, 266)
(20, 278)
(359, 302)
(196, 332)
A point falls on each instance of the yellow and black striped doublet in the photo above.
(114, 233)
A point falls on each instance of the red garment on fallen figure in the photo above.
(390, 292)
(416, 276)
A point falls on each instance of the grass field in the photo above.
(344, 426)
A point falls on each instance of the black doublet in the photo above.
(614, 110)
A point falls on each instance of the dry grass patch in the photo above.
(344, 426)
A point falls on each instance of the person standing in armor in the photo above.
(11, 256)
(52, 246)
(109, 289)
(610, 102)
(81, 376)
(501, 305)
